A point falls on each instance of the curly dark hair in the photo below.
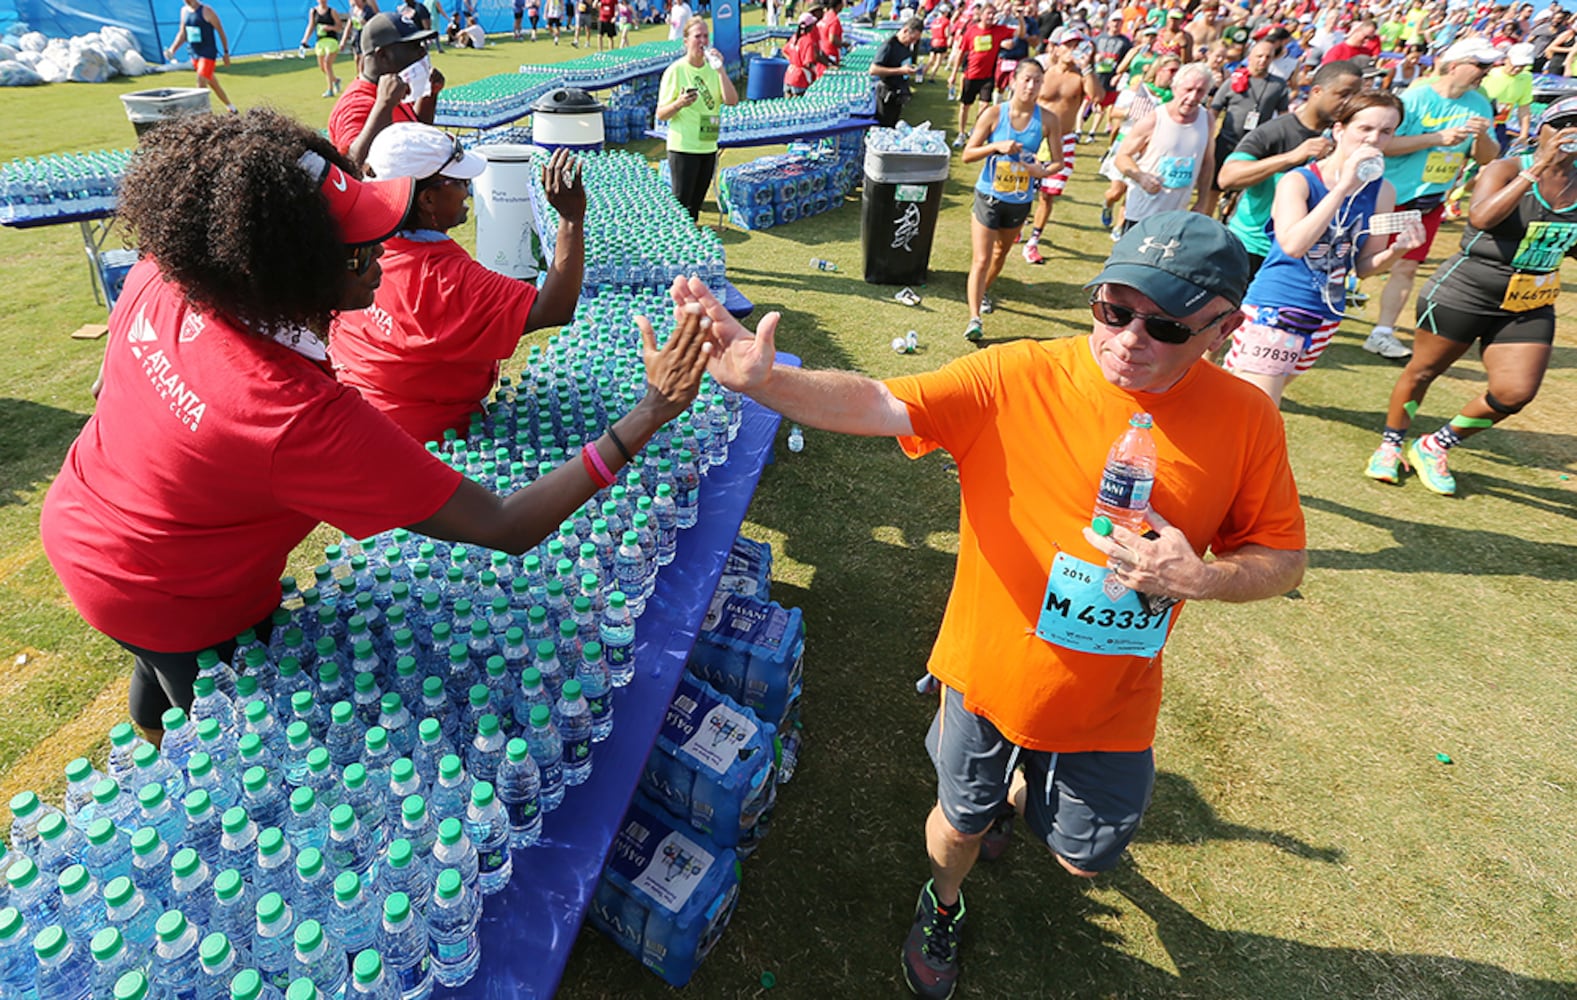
(220, 204)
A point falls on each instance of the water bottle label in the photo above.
(577, 750)
(706, 729)
(522, 814)
(455, 952)
(599, 707)
(740, 619)
(1078, 613)
(1119, 489)
(658, 860)
(412, 976)
(619, 655)
(490, 860)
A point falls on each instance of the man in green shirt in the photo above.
(1510, 86)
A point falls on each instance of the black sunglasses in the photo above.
(361, 260)
(1160, 328)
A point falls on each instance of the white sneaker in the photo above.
(1385, 344)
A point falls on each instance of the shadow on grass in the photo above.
(1178, 814)
(1434, 548)
(1507, 445)
(33, 441)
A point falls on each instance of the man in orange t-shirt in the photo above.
(1050, 649)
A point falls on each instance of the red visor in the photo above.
(363, 211)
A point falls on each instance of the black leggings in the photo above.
(692, 176)
(160, 681)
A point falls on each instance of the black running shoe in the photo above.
(930, 955)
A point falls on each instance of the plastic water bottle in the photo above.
(18, 963)
(272, 944)
(501, 692)
(431, 747)
(323, 778)
(133, 985)
(403, 871)
(218, 786)
(155, 810)
(27, 811)
(353, 918)
(150, 864)
(203, 826)
(112, 803)
(596, 685)
(687, 496)
(402, 941)
(346, 734)
(191, 886)
(368, 803)
(366, 695)
(519, 790)
(64, 970)
(319, 959)
(208, 702)
(617, 634)
(111, 960)
(666, 511)
(377, 756)
(551, 669)
(249, 984)
(258, 718)
(452, 919)
(60, 845)
(234, 908)
(478, 704)
(486, 751)
(796, 439)
(395, 719)
(823, 265)
(81, 905)
(275, 867)
(130, 912)
(417, 826)
(124, 742)
(238, 842)
(263, 799)
(1129, 477)
(218, 961)
(630, 571)
(547, 749)
(312, 891)
(452, 790)
(299, 742)
(307, 825)
(454, 849)
(81, 777)
(488, 829)
(33, 892)
(349, 846)
(306, 708)
(210, 665)
(369, 981)
(573, 717)
(175, 968)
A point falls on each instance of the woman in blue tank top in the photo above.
(1006, 137)
(1320, 233)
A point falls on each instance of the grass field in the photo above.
(1304, 840)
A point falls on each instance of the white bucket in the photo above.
(506, 234)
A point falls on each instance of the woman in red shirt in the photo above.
(803, 52)
(220, 438)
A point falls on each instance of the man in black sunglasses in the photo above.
(1049, 654)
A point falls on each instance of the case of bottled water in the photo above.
(753, 651)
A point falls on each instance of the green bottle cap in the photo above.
(106, 944)
(170, 926)
(347, 886)
(448, 884)
(1101, 525)
(449, 831)
(185, 862)
(49, 942)
(133, 986)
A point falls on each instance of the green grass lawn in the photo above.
(1304, 840)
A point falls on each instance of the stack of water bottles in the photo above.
(807, 180)
(61, 184)
(339, 801)
(637, 234)
(631, 108)
(493, 100)
(906, 138)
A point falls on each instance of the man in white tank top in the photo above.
(1169, 154)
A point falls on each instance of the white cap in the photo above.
(1471, 50)
(411, 149)
(1520, 54)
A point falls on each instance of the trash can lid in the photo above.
(566, 101)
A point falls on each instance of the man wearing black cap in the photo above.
(1049, 654)
(397, 83)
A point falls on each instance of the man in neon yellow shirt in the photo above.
(1510, 86)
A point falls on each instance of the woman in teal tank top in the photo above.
(1006, 137)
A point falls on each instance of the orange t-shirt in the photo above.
(1029, 425)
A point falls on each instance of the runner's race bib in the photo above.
(1266, 349)
(984, 43)
(711, 125)
(1441, 167)
(194, 34)
(1009, 176)
(1526, 292)
(1080, 613)
(1176, 171)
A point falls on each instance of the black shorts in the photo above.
(606, 29)
(994, 213)
(1466, 326)
(976, 88)
(555, 22)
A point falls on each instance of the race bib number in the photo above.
(1263, 349)
(1176, 171)
(984, 43)
(1104, 65)
(711, 126)
(1009, 176)
(1526, 292)
(194, 34)
(1081, 613)
(1441, 167)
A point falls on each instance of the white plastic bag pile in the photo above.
(28, 58)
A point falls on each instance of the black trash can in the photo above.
(148, 108)
(903, 194)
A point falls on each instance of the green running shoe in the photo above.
(1431, 468)
(1385, 464)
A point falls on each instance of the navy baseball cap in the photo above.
(1179, 260)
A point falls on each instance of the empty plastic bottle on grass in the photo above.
(131, 912)
(218, 961)
(111, 960)
(519, 789)
(319, 958)
(573, 718)
(33, 892)
(64, 970)
(403, 943)
(81, 777)
(81, 905)
(547, 749)
(272, 944)
(369, 980)
(60, 845)
(488, 828)
(353, 917)
(191, 886)
(1129, 476)
(452, 919)
(403, 871)
(175, 970)
(233, 911)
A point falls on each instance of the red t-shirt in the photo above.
(830, 30)
(605, 9)
(981, 47)
(1341, 50)
(427, 351)
(211, 453)
(801, 56)
(353, 109)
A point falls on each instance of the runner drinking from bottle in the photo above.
(1499, 290)
(1320, 232)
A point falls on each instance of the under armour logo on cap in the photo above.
(1168, 249)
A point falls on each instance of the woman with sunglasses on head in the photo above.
(220, 438)
(1498, 291)
(428, 351)
(1320, 225)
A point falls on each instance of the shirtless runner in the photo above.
(1070, 81)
